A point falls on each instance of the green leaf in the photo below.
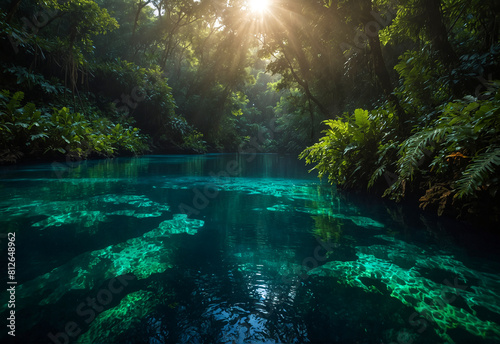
(65, 139)
(361, 118)
(38, 136)
(478, 172)
(21, 124)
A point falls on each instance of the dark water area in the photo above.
(232, 249)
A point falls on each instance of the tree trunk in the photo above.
(12, 10)
(140, 6)
(311, 115)
(438, 34)
(385, 83)
(382, 73)
(305, 86)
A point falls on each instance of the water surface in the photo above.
(234, 249)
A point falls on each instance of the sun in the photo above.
(258, 6)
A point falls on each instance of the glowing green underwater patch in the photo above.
(360, 221)
(281, 207)
(431, 300)
(178, 225)
(87, 213)
(111, 323)
(288, 188)
(85, 218)
(142, 257)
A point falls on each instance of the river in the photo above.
(229, 248)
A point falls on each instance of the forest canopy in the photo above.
(399, 97)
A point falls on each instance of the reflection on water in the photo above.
(233, 249)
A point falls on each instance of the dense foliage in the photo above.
(437, 136)
(348, 152)
(406, 89)
(27, 130)
(455, 158)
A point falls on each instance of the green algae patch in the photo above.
(84, 214)
(142, 256)
(178, 225)
(431, 300)
(281, 188)
(281, 208)
(366, 222)
(85, 218)
(360, 221)
(113, 322)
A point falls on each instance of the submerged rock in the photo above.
(113, 322)
(431, 300)
(141, 256)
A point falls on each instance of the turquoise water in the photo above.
(234, 249)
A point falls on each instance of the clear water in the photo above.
(234, 249)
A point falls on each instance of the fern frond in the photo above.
(15, 102)
(414, 149)
(376, 175)
(478, 172)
